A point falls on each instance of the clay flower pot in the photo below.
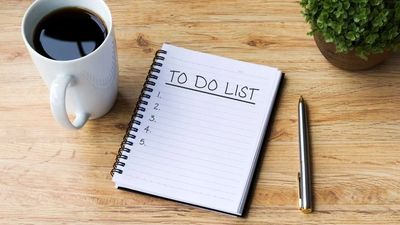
(348, 61)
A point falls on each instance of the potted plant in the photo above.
(354, 34)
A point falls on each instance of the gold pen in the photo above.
(304, 176)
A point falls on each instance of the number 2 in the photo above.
(156, 106)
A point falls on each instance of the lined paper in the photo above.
(202, 130)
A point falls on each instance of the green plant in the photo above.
(366, 26)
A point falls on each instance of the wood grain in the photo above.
(52, 176)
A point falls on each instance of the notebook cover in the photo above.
(253, 176)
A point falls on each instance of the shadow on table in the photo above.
(261, 156)
(104, 135)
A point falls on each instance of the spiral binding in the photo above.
(136, 116)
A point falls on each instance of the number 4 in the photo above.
(147, 129)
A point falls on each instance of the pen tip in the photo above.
(301, 99)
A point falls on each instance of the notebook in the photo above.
(197, 130)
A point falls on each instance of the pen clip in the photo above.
(300, 197)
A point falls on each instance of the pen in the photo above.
(304, 176)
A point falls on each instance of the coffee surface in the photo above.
(69, 33)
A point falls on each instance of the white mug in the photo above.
(87, 86)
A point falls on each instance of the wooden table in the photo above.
(49, 175)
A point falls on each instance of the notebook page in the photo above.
(201, 131)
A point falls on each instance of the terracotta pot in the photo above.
(349, 61)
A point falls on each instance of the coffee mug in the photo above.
(87, 86)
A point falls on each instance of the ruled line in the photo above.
(233, 146)
(146, 179)
(190, 144)
(196, 157)
(181, 173)
(225, 124)
(196, 132)
(175, 97)
(196, 171)
(168, 146)
(174, 159)
(204, 92)
(157, 176)
(216, 116)
(220, 129)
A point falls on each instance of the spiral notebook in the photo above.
(197, 130)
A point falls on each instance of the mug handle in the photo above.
(58, 90)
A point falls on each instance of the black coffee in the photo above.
(69, 33)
